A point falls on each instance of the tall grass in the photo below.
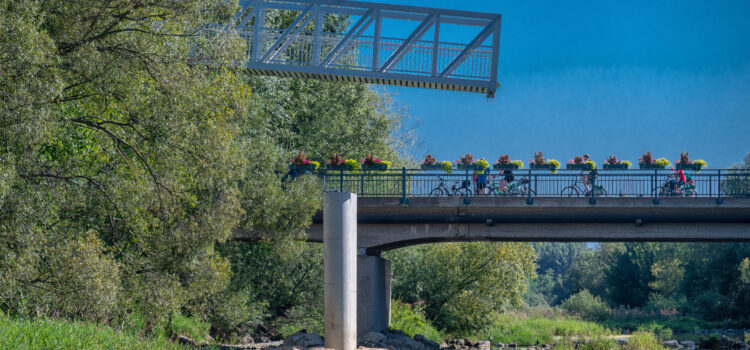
(411, 321)
(64, 335)
(524, 329)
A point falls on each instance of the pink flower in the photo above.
(307, 161)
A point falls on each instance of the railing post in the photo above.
(404, 200)
(653, 186)
(341, 180)
(530, 200)
(719, 200)
(362, 183)
(592, 174)
(467, 201)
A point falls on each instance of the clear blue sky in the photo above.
(600, 77)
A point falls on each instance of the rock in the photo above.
(372, 339)
(671, 343)
(687, 343)
(247, 339)
(304, 340)
(419, 337)
(483, 344)
(499, 345)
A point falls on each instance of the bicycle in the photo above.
(442, 189)
(674, 188)
(577, 189)
(518, 188)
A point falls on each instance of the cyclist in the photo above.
(681, 180)
(506, 180)
(587, 175)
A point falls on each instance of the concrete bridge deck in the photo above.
(384, 223)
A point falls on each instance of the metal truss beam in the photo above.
(300, 51)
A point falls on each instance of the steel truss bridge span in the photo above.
(362, 53)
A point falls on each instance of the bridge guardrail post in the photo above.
(530, 200)
(719, 200)
(653, 186)
(592, 174)
(341, 180)
(404, 200)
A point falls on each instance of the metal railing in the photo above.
(530, 184)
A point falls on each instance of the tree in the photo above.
(461, 282)
(121, 152)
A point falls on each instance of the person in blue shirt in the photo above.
(480, 178)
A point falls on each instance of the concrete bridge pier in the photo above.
(340, 270)
(373, 294)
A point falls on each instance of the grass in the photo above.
(524, 329)
(410, 320)
(61, 334)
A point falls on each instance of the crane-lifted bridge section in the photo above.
(414, 55)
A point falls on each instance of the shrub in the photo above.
(702, 163)
(600, 343)
(642, 340)
(517, 163)
(628, 163)
(660, 331)
(587, 306)
(412, 321)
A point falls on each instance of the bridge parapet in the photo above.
(530, 185)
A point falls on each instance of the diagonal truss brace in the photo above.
(414, 36)
(456, 62)
(289, 30)
(353, 33)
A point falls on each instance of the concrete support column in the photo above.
(373, 294)
(340, 270)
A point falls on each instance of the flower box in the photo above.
(651, 166)
(303, 167)
(691, 166)
(379, 166)
(582, 166)
(616, 166)
(432, 167)
(505, 166)
(542, 166)
(338, 167)
(467, 166)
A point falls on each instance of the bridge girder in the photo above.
(304, 50)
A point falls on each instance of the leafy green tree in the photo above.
(119, 151)
(587, 306)
(460, 283)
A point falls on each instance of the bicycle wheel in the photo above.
(570, 191)
(462, 191)
(437, 192)
(600, 191)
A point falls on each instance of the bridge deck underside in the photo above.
(353, 76)
(383, 223)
